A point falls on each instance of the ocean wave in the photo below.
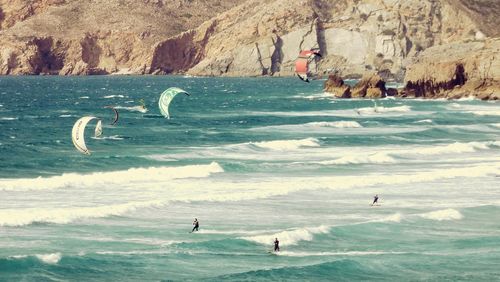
(287, 144)
(22, 217)
(289, 237)
(232, 232)
(397, 217)
(335, 124)
(113, 96)
(440, 215)
(52, 258)
(9, 118)
(377, 158)
(424, 121)
(381, 109)
(453, 148)
(121, 178)
(64, 116)
(486, 113)
(349, 253)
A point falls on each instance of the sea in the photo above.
(254, 160)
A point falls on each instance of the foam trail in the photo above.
(351, 253)
(440, 215)
(335, 124)
(456, 147)
(22, 217)
(113, 96)
(133, 109)
(424, 121)
(287, 144)
(290, 237)
(122, 178)
(377, 158)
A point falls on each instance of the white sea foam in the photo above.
(84, 97)
(53, 258)
(9, 118)
(440, 215)
(289, 237)
(121, 178)
(133, 109)
(454, 148)
(21, 217)
(287, 144)
(113, 137)
(335, 124)
(377, 158)
(63, 116)
(351, 253)
(397, 217)
(424, 121)
(381, 109)
(113, 96)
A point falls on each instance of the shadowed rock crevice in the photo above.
(277, 56)
(44, 59)
(430, 88)
(180, 53)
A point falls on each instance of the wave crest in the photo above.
(22, 217)
(281, 145)
(123, 178)
(289, 237)
(440, 215)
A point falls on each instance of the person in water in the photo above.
(375, 200)
(196, 224)
(276, 245)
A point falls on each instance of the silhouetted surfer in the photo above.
(276, 245)
(375, 200)
(196, 224)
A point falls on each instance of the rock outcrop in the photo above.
(456, 70)
(370, 86)
(335, 85)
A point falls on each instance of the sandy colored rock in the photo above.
(335, 85)
(370, 86)
(468, 69)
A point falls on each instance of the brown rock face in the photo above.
(72, 37)
(467, 69)
(370, 86)
(233, 37)
(336, 86)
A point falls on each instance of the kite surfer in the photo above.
(196, 224)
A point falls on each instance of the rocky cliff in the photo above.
(468, 69)
(96, 36)
(232, 38)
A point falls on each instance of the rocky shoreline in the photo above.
(452, 71)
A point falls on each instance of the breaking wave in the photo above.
(113, 96)
(287, 144)
(22, 217)
(123, 177)
(289, 237)
(440, 215)
(377, 158)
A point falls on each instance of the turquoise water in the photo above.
(253, 159)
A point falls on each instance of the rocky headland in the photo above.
(419, 41)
